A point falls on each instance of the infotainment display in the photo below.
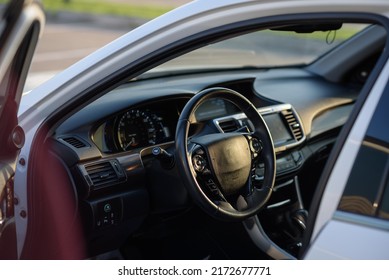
(283, 123)
(278, 129)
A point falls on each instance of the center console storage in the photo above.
(284, 217)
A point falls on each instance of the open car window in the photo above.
(267, 48)
(3, 6)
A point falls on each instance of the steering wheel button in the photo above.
(255, 145)
(199, 163)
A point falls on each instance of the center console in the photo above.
(283, 220)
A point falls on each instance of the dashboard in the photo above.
(108, 144)
(140, 115)
(149, 125)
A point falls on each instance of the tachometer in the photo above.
(136, 128)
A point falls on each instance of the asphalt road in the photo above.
(69, 38)
(62, 45)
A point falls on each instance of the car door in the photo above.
(353, 221)
(20, 26)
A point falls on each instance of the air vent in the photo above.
(104, 174)
(75, 142)
(294, 125)
(229, 125)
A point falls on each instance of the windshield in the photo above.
(262, 49)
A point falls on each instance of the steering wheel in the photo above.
(218, 169)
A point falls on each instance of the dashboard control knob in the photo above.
(166, 159)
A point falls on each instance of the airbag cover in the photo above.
(230, 159)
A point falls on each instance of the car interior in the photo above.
(136, 173)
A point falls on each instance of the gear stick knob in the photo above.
(299, 218)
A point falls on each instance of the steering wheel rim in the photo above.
(248, 199)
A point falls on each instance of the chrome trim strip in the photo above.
(265, 111)
(358, 219)
(278, 204)
(287, 183)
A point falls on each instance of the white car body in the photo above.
(332, 238)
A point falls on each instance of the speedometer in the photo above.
(136, 128)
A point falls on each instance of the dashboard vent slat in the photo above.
(75, 142)
(293, 123)
(228, 126)
(103, 174)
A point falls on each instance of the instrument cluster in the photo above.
(139, 127)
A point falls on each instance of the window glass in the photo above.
(3, 5)
(264, 49)
(384, 207)
(364, 183)
(367, 189)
